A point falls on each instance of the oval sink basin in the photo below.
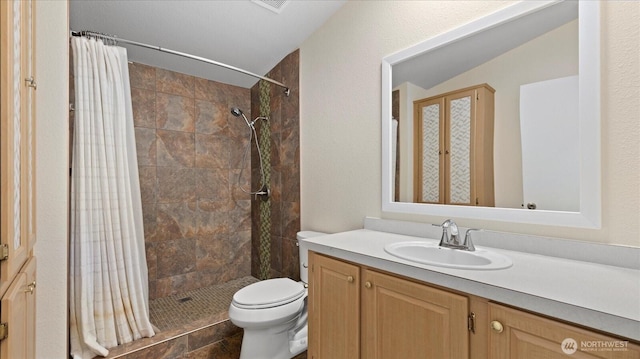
(432, 254)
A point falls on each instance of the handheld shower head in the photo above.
(236, 111)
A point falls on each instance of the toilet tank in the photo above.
(304, 252)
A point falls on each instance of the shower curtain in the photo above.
(108, 299)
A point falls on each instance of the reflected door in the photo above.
(429, 153)
(459, 148)
(454, 148)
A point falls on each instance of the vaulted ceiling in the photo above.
(240, 33)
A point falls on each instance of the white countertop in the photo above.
(598, 296)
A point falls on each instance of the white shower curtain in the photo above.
(108, 299)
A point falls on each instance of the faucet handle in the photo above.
(444, 224)
(468, 243)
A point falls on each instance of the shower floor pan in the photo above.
(194, 323)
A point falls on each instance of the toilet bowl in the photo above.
(273, 313)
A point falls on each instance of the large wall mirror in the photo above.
(540, 135)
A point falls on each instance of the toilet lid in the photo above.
(268, 293)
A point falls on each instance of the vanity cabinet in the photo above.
(334, 308)
(515, 334)
(453, 151)
(357, 312)
(404, 319)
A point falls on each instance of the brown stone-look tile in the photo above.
(176, 184)
(152, 260)
(177, 284)
(275, 103)
(213, 217)
(175, 83)
(212, 151)
(290, 219)
(224, 257)
(291, 77)
(276, 218)
(289, 150)
(212, 334)
(149, 219)
(237, 148)
(241, 265)
(275, 185)
(175, 148)
(291, 184)
(176, 220)
(255, 100)
(237, 179)
(238, 129)
(176, 257)
(291, 111)
(255, 241)
(175, 112)
(148, 188)
(167, 228)
(276, 253)
(209, 90)
(172, 349)
(232, 96)
(228, 348)
(240, 216)
(213, 184)
(290, 259)
(214, 252)
(276, 145)
(152, 289)
(212, 118)
(142, 76)
(145, 146)
(144, 107)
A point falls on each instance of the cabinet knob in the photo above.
(496, 326)
(30, 287)
(350, 279)
(31, 82)
(367, 284)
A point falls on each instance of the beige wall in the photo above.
(340, 114)
(52, 173)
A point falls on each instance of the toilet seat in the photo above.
(268, 294)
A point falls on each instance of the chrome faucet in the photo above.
(449, 233)
(451, 237)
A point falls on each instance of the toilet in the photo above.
(273, 313)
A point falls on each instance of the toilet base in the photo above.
(273, 343)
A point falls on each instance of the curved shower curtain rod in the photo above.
(116, 39)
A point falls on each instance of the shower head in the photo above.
(236, 111)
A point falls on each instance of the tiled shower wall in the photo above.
(284, 202)
(197, 221)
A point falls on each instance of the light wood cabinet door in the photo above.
(17, 308)
(334, 309)
(515, 334)
(17, 174)
(402, 319)
(17, 149)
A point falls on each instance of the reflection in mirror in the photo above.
(453, 148)
(541, 150)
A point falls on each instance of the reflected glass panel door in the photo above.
(460, 150)
(431, 115)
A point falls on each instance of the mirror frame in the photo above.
(589, 215)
